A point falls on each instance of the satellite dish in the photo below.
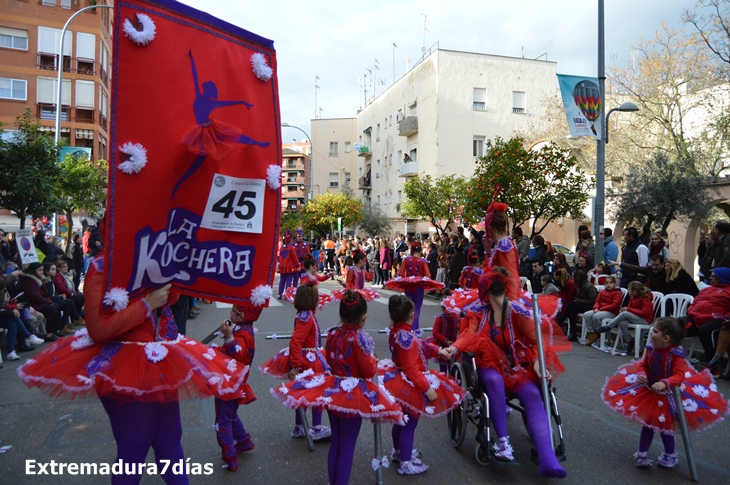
(357, 147)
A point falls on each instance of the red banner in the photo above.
(195, 154)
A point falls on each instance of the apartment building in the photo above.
(294, 180)
(435, 120)
(30, 32)
(335, 154)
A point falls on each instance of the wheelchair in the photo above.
(475, 409)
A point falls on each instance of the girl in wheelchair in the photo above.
(502, 337)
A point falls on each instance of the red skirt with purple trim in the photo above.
(449, 392)
(703, 404)
(165, 371)
(324, 298)
(411, 283)
(279, 365)
(345, 396)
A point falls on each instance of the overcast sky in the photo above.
(339, 40)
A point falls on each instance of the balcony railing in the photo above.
(364, 182)
(45, 111)
(408, 169)
(519, 110)
(408, 126)
(85, 66)
(364, 151)
(50, 62)
(294, 166)
(102, 120)
(104, 77)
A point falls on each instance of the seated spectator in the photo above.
(541, 255)
(548, 288)
(65, 305)
(64, 285)
(538, 271)
(584, 263)
(656, 275)
(565, 285)
(560, 262)
(640, 311)
(600, 269)
(36, 293)
(678, 280)
(16, 331)
(657, 246)
(585, 297)
(607, 305)
(704, 315)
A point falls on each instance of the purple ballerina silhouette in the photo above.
(210, 137)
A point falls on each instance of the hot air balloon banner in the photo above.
(195, 155)
(583, 105)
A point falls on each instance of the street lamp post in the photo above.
(311, 158)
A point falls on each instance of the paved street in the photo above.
(599, 443)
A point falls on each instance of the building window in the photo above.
(478, 146)
(399, 116)
(334, 179)
(413, 153)
(334, 149)
(390, 120)
(48, 40)
(347, 177)
(413, 109)
(13, 89)
(14, 38)
(518, 102)
(385, 122)
(348, 147)
(66, 4)
(390, 159)
(480, 99)
(400, 196)
(377, 199)
(399, 159)
(377, 132)
(85, 53)
(377, 168)
(48, 3)
(292, 188)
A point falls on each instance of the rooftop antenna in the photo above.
(316, 87)
(394, 48)
(376, 67)
(425, 29)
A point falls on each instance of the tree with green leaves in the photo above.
(659, 191)
(321, 213)
(374, 221)
(541, 185)
(28, 170)
(291, 221)
(440, 201)
(80, 187)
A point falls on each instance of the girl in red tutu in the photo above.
(641, 392)
(239, 344)
(304, 355)
(503, 338)
(355, 278)
(470, 274)
(346, 391)
(309, 277)
(419, 391)
(288, 263)
(414, 278)
(134, 359)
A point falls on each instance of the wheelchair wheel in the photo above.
(482, 455)
(457, 418)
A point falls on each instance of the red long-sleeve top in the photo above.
(288, 260)
(445, 327)
(413, 266)
(243, 346)
(608, 301)
(59, 283)
(355, 279)
(349, 352)
(665, 365)
(306, 335)
(408, 356)
(567, 292)
(643, 307)
(306, 278)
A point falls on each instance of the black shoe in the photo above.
(572, 337)
(25, 348)
(603, 329)
(191, 316)
(59, 334)
(50, 338)
(630, 346)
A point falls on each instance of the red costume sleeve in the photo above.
(368, 276)
(349, 279)
(438, 326)
(322, 277)
(302, 330)
(107, 325)
(367, 364)
(409, 362)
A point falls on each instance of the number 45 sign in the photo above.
(235, 204)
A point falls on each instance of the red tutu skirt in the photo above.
(215, 139)
(279, 366)
(345, 396)
(460, 300)
(449, 392)
(703, 404)
(366, 293)
(411, 283)
(324, 299)
(287, 266)
(163, 371)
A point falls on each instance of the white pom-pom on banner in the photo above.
(117, 298)
(260, 67)
(137, 158)
(260, 294)
(140, 30)
(273, 176)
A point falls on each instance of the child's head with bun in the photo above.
(401, 309)
(353, 308)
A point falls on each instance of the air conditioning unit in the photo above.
(377, 175)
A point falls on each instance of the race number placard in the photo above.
(235, 204)
(195, 154)
(26, 246)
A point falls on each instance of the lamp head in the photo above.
(286, 125)
(628, 107)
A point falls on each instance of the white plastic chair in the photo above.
(605, 321)
(525, 283)
(583, 329)
(680, 303)
(601, 278)
(638, 328)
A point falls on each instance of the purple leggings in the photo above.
(229, 428)
(647, 435)
(537, 419)
(417, 297)
(342, 449)
(285, 281)
(316, 417)
(137, 426)
(403, 436)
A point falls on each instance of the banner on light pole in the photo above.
(583, 104)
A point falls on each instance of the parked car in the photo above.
(569, 255)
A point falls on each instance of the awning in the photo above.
(369, 128)
(85, 134)
(294, 198)
(49, 129)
